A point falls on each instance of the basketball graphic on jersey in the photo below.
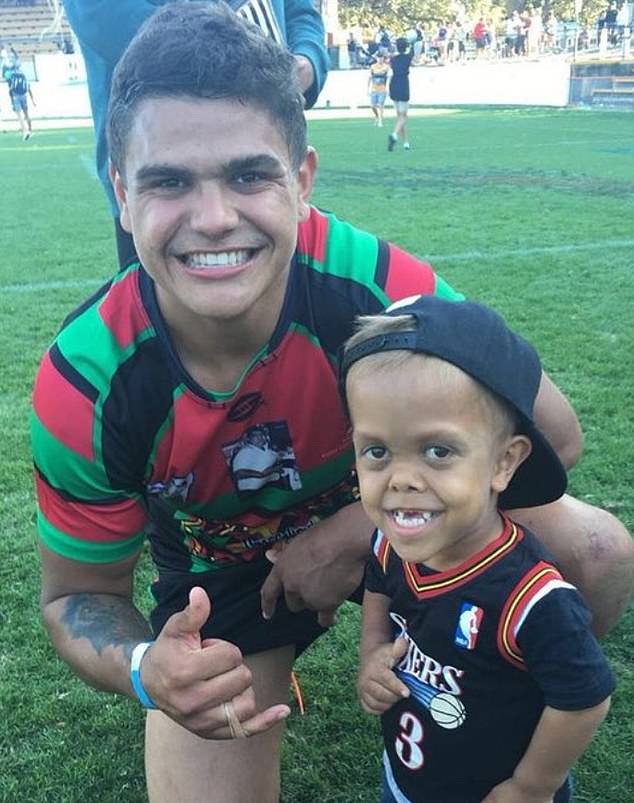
(447, 710)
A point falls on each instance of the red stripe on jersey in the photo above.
(124, 320)
(408, 276)
(426, 586)
(107, 523)
(515, 606)
(383, 553)
(71, 422)
(312, 236)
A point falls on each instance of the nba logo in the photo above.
(468, 626)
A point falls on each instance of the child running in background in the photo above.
(475, 650)
(377, 86)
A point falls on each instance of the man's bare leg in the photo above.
(185, 768)
(595, 552)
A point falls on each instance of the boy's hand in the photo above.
(378, 686)
(511, 791)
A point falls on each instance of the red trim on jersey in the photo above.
(72, 422)
(383, 553)
(124, 320)
(312, 235)
(425, 586)
(86, 521)
(408, 276)
(515, 606)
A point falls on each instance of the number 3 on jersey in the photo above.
(408, 741)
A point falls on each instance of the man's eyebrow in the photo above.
(259, 161)
(156, 172)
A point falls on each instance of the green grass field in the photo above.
(529, 210)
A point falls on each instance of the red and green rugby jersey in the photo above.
(127, 445)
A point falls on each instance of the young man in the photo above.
(475, 651)
(146, 400)
(105, 29)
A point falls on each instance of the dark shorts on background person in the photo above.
(236, 609)
(19, 104)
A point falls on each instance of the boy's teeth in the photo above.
(411, 518)
(218, 259)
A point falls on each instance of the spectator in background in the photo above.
(419, 44)
(399, 92)
(105, 29)
(610, 23)
(442, 41)
(353, 48)
(524, 23)
(377, 86)
(535, 32)
(19, 92)
(510, 35)
(550, 32)
(480, 36)
(383, 38)
(460, 40)
(492, 38)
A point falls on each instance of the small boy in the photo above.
(475, 650)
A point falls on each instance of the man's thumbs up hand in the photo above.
(191, 679)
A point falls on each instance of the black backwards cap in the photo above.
(477, 340)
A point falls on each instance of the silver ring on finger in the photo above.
(233, 723)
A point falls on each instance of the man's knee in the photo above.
(606, 570)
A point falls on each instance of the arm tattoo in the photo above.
(105, 620)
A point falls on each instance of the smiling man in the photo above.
(154, 405)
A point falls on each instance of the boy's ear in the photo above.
(516, 449)
(121, 194)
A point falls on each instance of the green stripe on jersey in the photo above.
(443, 290)
(344, 241)
(89, 327)
(55, 460)
(86, 551)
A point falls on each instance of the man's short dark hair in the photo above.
(205, 50)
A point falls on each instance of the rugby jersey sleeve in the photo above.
(560, 651)
(79, 514)
(90, 507)
(370, 271)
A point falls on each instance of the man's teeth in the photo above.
(218, 259)
(412, 518)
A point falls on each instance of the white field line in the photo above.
(489, 256)
(492, 256)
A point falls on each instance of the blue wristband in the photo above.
(135, 674)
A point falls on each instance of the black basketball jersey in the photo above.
(490, 643)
